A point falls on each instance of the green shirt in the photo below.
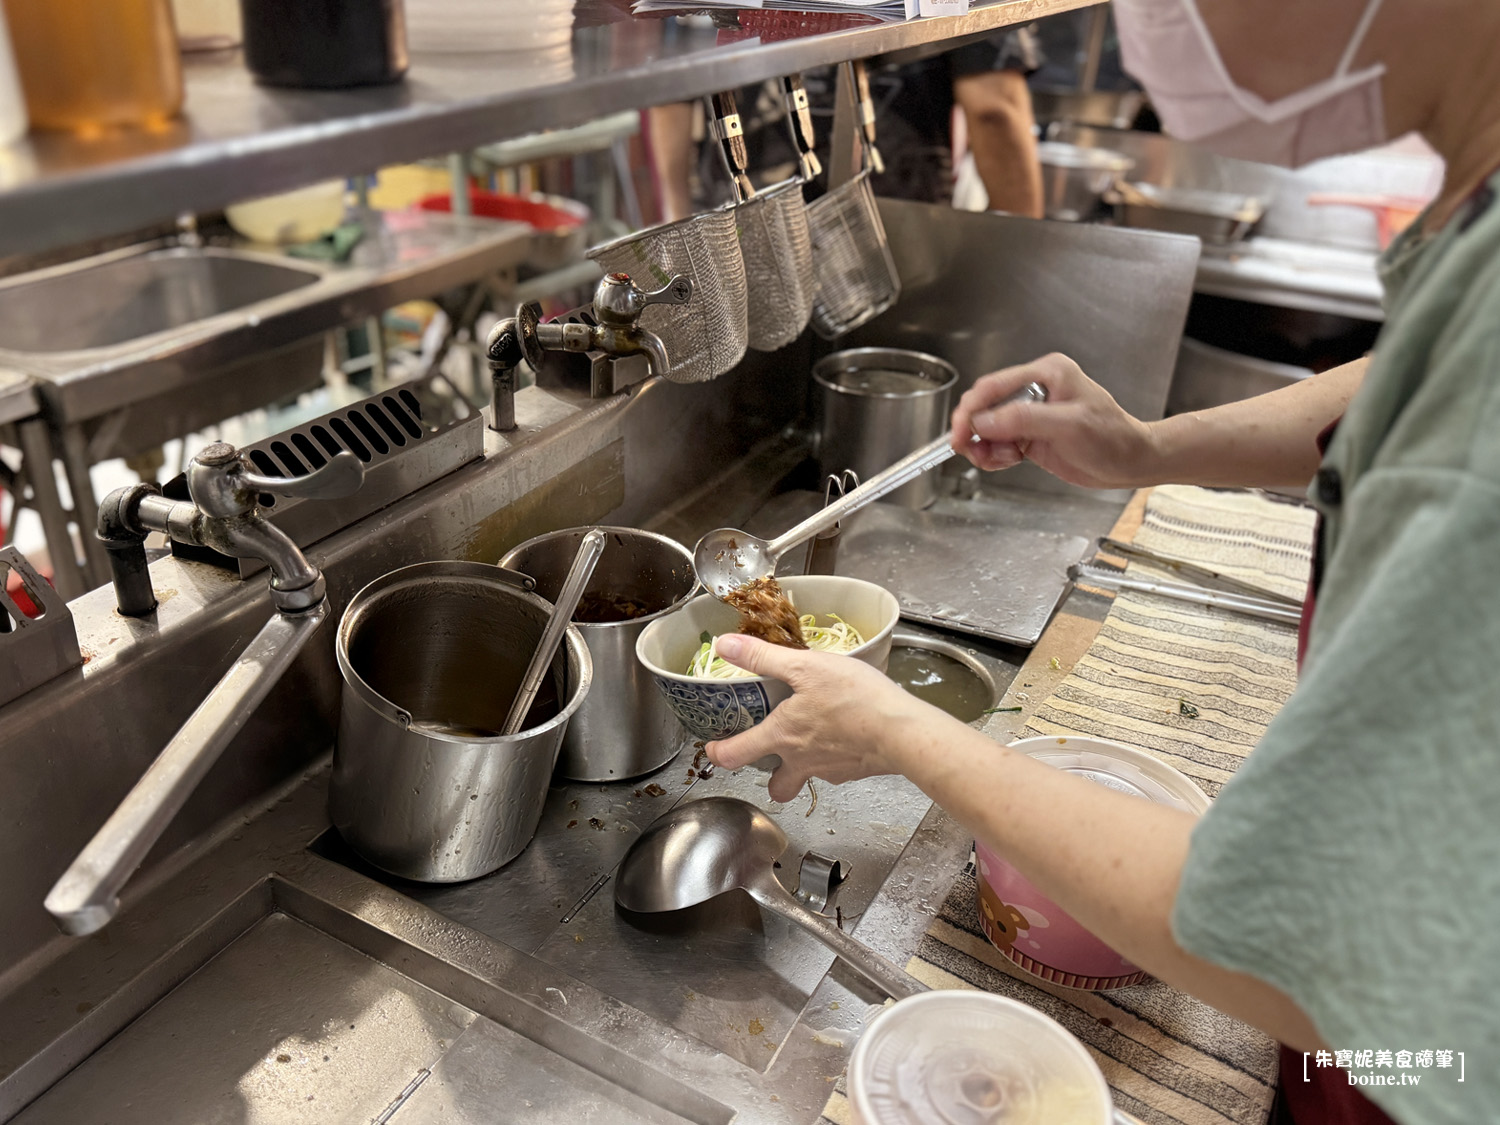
(1354, 861)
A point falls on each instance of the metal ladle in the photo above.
(707, 848)
(729, 557)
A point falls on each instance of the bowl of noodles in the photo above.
(711, 697)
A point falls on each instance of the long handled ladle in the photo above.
(706, 848)
(729, 557)
(589, 550)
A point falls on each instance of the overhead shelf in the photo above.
(237, 140)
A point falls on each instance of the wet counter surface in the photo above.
(277, 977)
(309, 987)
(245, 961)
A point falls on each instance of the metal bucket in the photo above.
(432, 656)
(875, 406)
(625, 728)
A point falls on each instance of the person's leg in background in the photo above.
(989, 85)
(670, 137)
(998, 115)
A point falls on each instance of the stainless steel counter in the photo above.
(317, 994)
(237, 140)
(1295, 275)
(460, 997)
(17, 397)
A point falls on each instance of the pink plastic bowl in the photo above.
(1025, 924)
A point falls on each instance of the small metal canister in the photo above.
(876, 405)
(432, 656)
(625, 728)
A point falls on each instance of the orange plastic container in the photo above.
(92, 65)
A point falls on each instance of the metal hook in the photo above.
(823, 548)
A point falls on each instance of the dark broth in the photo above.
(946, 683)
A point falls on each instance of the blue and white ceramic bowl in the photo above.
(713, 709)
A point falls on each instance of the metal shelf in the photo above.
(238, 140)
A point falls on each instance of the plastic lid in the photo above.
(970, 1058)
(1119, 767)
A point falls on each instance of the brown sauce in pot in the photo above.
(599, 609)
(765, 612)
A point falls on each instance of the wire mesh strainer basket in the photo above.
(706, 336)
(857, 279)
(777, 248)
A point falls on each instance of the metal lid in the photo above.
(972, 1058)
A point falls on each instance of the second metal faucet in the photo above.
(613, 328)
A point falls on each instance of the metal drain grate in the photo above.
(407, 437)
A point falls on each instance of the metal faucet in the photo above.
(615, 330)
(225, 514)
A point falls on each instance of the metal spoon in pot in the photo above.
(729, 557)
(589, 550)
(706, 848)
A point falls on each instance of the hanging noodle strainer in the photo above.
(774, 241)
(857, 279)
(706, 336)
(780, 281)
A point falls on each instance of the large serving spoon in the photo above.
(703, 849)
(589, 550)
(728, 557)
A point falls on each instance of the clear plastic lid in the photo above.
(970, 1058)
(1119, 767)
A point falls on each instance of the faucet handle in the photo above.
(341, 476)
(619, 301)
(678, 291)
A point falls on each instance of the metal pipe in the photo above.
(125, 541)
(88, 894)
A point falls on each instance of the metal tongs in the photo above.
(1211, 588)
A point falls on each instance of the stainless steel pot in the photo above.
(432, 656)
(625, 728)
(1074, 178)
(876, 405)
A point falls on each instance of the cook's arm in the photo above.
(1267, 440)
(1083, 436)
(1112, 861)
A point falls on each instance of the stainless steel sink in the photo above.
(122, 298)
(139, 325)
(266, 983)
(288, 1024)
(131, 348)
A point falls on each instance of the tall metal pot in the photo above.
(875, 406)
(432, 655)
(625, 728)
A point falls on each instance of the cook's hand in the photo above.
(1080, 433)
(837, 725)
